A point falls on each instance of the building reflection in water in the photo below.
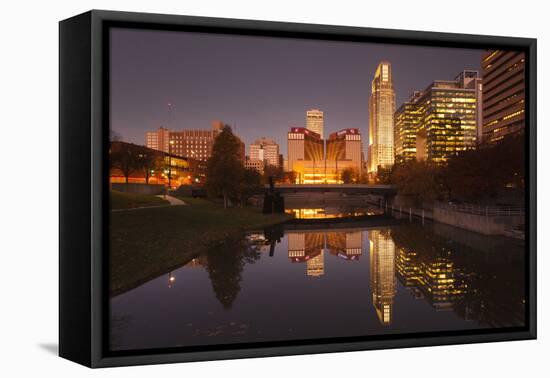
(382, 274)
(310, 247)
(446, 275)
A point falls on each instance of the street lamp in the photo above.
(170, 144)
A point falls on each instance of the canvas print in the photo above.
(267, 189)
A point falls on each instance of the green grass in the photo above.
(121, 200)
(150, 242)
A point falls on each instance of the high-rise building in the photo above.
(381, 111)
(346, 147)
(407, 122)
(450, 118)
(315, 121)
(503, 93)
(158, 140)
(382, 275)
(266, 151)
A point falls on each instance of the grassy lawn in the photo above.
(148, 243)
(121, 200)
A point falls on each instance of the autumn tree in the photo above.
(418, 179)
(225, 168)
(475, 175)
(349, 176)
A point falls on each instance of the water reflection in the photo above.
(382, 274)
(331, 212)
(285, 284)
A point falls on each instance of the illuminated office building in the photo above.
(346, 147)
(195, 143)
(450, 117)
(315, 121)
(407, 122)
(503, 93)
(307, 158)
(305, 154)
(381, 112)
(382, 274)
(158, 140)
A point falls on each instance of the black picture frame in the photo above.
(83, 196)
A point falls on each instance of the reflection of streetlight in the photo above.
(171, 280)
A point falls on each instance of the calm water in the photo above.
(327, 281)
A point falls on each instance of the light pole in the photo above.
(170, 164)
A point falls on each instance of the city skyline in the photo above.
(148, 93)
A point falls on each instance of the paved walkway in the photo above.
(173, 200)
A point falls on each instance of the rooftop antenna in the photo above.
(170, 115)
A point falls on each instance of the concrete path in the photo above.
(173, 200)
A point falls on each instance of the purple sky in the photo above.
(264, 85)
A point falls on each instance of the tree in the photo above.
(149, 160)
(272, 171)
(483, 173)
(289, 177)
(418, 179)
(225, 168)
(251, 183)
(126, 158)
(349, 176)
(383, 175)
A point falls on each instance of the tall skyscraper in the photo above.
(381, 111)
(158, 140)
(450, 117)
(266, 151)
(503, 93)
(315, 121)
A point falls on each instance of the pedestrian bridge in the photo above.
(336, 188)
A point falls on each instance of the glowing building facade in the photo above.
(407, 123)
(381, 125)
(315, 121)
(503, 93)
(450, 117)
(307, 157)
